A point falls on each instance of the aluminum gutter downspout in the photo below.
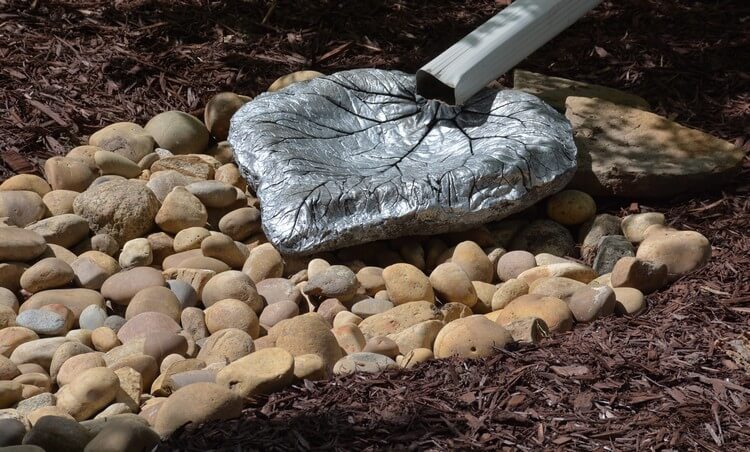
(497, 46)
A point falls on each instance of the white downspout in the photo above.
(497, 46)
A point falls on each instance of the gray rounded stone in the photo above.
(114, 322)
(371, 306)
(42, 322)
(92, 317)
(11, 432)
(363, 362)
(57, 433)
(610, 249)
(184, 292)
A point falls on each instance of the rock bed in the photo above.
(113, 334)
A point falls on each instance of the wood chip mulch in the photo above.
(674, 378)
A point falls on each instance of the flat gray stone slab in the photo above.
(358, 156)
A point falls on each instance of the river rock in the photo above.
(154, 299)
(64, 173)
(590, 303)
(146, 323)
(226, 346)
(190, 238)
(124, 210)
(26, 182)
(261, 372)
(471, 337)
(241, 223)
(39, 351)
(513, 263)
(571, 207)
(680, 251)
(264, 262)
(59, 202)
(406, 283)
(57, 433)
(232, 284)
(276, 290)
(634, 226)
(12, 432)
(65, 230)
(639, 274)
(363, 362)
(13, 336)
(473, 261)
(345, 317)
(197, 403)
(120, 288)
(18, 244)
(104, 339)
(186, 295)
(181, 210)
(213, 193)
(420, 335)
(75, 365)
(609, 250)
(593, 230)
(89, 392)
(629, 152)
(49, 273)
(629, 301)
(231, 313)
(349, 338)
(123, 435)
(275, 313)
(92, 317)
(452, 284)
(367, 307)
(93, 268)
(553, 311)
(136, 253)
(336, 281)
(572, 270)
(544, 236)
(310, 367)
(294, 77)
(10, 393)
(111, 163)
(21, 207)
(219, 110)
(161, 183)
(192, 165)
(230, 174)
(307, 333)
(124, 138)
(43, 322)
(74, 299)
(399, 318)
(222, 247)
(556, 286)
(179, 132)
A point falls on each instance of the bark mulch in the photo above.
(675, 377)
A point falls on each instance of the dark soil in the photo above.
(662, 380)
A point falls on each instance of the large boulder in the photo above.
(629, 152)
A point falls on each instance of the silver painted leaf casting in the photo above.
(357, 156)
